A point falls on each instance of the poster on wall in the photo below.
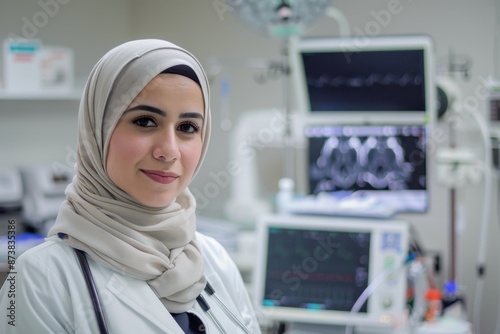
(31, 67)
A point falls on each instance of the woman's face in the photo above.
(156, 145)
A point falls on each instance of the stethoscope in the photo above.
(103, 329)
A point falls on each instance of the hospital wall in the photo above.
(44, 132)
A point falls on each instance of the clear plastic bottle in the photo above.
(285, 194)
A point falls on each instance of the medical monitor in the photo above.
(365, 80)
(383, 162)
(315, 269)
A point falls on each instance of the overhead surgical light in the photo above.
(283, 18)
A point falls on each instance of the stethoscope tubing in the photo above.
(89, 280)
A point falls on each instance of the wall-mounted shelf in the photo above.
(75, 94)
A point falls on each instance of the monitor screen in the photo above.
(334, 285)
(314, 269)
(387, 162)
(370, 81)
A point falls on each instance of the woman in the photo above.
(144, 126)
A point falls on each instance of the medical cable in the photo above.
(488, 163)
(373, 286)
(206, 308)
(496, 68)
(211, 292)
(497, 327)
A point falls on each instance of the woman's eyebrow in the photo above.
(158, 111)
(192, 115)
(146, 107)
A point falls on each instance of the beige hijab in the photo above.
(154, 244)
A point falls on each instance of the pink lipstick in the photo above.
(160, 176)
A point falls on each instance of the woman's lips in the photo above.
(160, 176)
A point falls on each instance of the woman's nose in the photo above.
(166, 146)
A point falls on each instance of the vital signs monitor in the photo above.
(331, 271)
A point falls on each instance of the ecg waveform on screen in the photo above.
(344, 262)
(374, 79)
(330, 296)
(316, 277)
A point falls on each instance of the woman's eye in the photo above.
(189, 127)
(145, 122)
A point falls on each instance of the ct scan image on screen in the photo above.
(386, 162)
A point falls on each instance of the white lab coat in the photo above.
(49, 295)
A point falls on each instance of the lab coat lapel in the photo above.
(137, 295)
